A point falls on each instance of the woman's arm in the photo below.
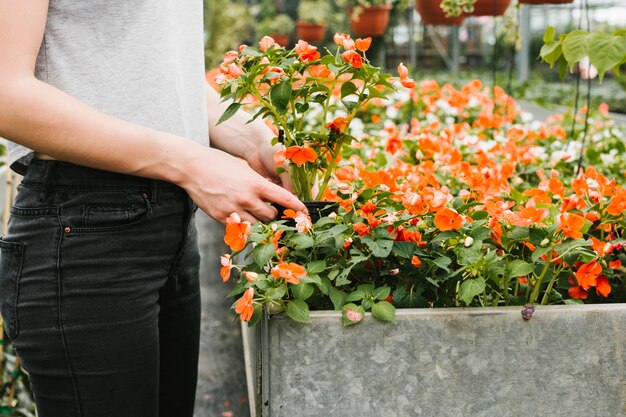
(51, 122)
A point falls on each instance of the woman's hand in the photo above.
(221, 184)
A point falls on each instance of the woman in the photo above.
(108, 114)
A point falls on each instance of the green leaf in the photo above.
(356, 295)
(347, 89)
(548, 35)
(550, 52)
(404, 250)
(298, 311)
(384, 311)
(519, 268)
(470, 288)
(337, 297)
(380, 248)
(381, 293)
(324, 285)
(606, 51)
(302, 291)
(575, 46)
(570, 245)
(332, 232)
(539, 252)
(316, 267)
(280, 95)
(357, 309)
(301, 241)
(276, 293)
(229, 112)
(263, 253)
(374, 93)
(251, 52)
(442, 262)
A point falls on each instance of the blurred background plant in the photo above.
(227, 24)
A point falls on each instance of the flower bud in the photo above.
(469, 241)
(544, 243)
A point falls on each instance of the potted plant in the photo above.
(310, 100)
(454, 8)
(470, 208)
(545, 1)
(432, 14)
(312, 18)
(280, 27)
(368, 17)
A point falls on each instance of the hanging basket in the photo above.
(490, 7)
(545, 1)
(282, 40)
(432, 14)
(309, 31)
(371, 21)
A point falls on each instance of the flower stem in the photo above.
(535, 293)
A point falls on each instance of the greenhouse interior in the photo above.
(432, 221)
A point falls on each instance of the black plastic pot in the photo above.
(317, 210)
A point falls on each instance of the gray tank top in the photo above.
(138, 60)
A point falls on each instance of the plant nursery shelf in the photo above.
(566, 361)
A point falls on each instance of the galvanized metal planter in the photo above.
(567, 361)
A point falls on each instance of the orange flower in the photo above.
(363, 44)
(353, 58)
(266, 42)
(571, 224)
(230, 57)
(300, 155)
(250, 276)
(339, 39)
(361, 228)
(279, 158)
(306, 52)
(587, 274)
(338, 125)
(408, 82)
(303, 221)
(617, 205)
(403, 71)
(448, 219)
(244, 307)
(615, 264)
(578, 292)
(415, 261)
(600, 247)
(319, 71)
(237, 232)
(603, 287)
(227, 265)
(290, 272)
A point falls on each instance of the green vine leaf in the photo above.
(575, 47)
(606, 51)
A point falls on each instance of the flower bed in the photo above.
(468, 204)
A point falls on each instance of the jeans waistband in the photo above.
(52, 174)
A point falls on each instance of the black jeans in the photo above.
(99, 292)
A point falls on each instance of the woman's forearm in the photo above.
(51, 122)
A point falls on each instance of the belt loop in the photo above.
(153, 192)
(47, 173)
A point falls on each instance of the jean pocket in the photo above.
(11, 260)
(102, 212)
